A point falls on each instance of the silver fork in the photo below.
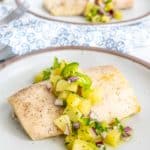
(15, 14)
(5, 52)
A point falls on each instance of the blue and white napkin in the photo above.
(31, 33)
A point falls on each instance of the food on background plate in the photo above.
(93, 10)
(86, 106)
(124, 4)
(65, 7)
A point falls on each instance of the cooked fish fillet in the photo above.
(118, 99)
(35, 109)
(65, 7)
(124, 4)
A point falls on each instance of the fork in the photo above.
(5, 52)
(15, 14)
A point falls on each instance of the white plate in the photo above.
(19, 74)
(141, 8)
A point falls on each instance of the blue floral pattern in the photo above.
(31, 33)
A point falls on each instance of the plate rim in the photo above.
(130, 21)
(77, 48)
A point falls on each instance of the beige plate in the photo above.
(140, 10)
(18, 73)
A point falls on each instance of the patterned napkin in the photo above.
(32, 33)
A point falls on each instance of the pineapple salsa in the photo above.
(101, 11)
(73, 91)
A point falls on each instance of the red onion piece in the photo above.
(101, 11)
(127, 129)
(127, 132)
(99, 143)
(76, 125)
(73, 79)
(94, 130)
(59, 102)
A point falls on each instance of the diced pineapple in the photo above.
(63, 95)
(95, 96)
(117, 15)
(54, 79)
(73, 100)
(85, 106)
(105, 19)
(56, 71)
(112, 138)
(109, 6)
(58, 67)
(85, 92)
(86, 133)
(83, 145)
(73, 113)
(63, 85)
(38, 77)
(64, 124)
(104, 125)
(69, 140)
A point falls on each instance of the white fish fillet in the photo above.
(76, 7)
(35, 109)
(118, 99)
(124, 4)
(65, 7)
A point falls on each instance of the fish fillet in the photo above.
(118, 99)
(35, 109)
(76, 7)
(65, 7)
(123, 4)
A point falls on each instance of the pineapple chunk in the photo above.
(64, 124)
(85, 107)
(54, 78)
(73, 113)
(73, 100)
(94, 95)
(113, 138)
(83, 145)
(63, 95)
(38, 77)
(69, 140)
(63, 85)
(87, 134)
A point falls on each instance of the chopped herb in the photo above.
(56, 63)
(46, 73)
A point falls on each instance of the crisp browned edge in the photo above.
(18, 2)
(76, 48)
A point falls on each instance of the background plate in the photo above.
(141, 8)
(20, 73)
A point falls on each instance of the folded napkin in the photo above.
(31, 33)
